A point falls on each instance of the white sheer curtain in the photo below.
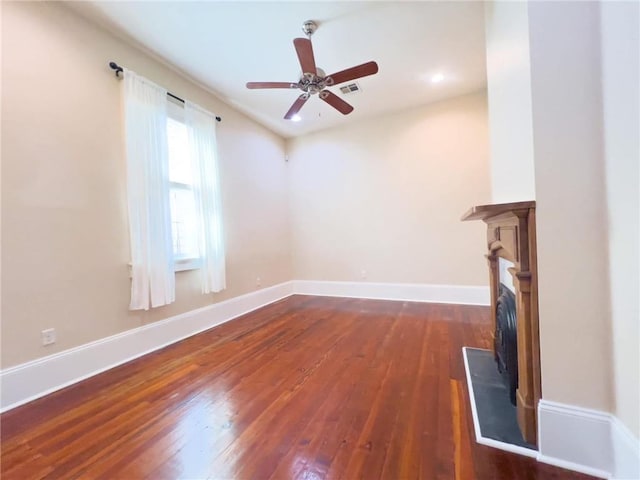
(201, 126)
(153, 279)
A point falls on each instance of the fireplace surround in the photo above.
(511, 235)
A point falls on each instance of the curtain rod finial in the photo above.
(116, 67)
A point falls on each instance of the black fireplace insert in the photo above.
(506, 340)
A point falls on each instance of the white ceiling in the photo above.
(223, 45)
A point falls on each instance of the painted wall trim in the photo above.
(28, 381)
(414, 292)
(626, 451)
(587, 441)
(576, 435)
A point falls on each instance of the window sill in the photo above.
(179, 265)
(184, 264)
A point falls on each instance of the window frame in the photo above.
(175, 112)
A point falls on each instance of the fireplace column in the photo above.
(525, 282)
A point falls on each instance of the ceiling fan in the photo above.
(314, 80)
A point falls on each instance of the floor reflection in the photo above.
(208, 426)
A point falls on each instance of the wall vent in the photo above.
(350, 88)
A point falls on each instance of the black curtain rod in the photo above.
(118, 69)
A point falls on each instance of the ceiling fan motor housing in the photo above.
(311, 83)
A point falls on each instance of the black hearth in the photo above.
(506, 340)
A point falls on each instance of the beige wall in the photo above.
(569, 81)
(509, 92)
(621, 84)
(64, 229)
(385, 196)
(575, 327)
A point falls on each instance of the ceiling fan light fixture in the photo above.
(437, 78)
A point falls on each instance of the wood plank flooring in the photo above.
(306, 388)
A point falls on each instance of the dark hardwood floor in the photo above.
(305, 388)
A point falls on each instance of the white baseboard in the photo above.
(578, 437)
(587, 441)
(626, 452)
(28, 381)
(414, 292)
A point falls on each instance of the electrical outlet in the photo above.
(363, 274)
(258, 282)
(48, 336)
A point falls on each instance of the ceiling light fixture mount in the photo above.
(309, 27)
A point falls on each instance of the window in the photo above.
(184, 228)
(173, 194)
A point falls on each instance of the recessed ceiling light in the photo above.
(437, 78)
(296, 118)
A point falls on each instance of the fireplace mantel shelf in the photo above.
(482, 212)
